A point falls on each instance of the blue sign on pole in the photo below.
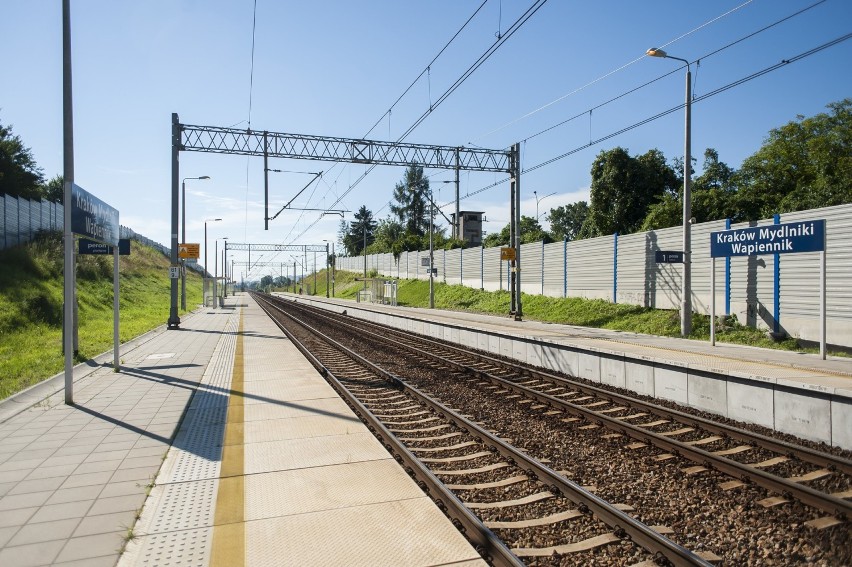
(96, 248)
(789, 238)
(92, 217)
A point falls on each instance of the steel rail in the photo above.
(487, 544)
(807, 495)
(623, 524)
(783, 447)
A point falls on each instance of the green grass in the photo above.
(595, 313)
(31, 298)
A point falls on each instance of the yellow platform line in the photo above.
(229, 529)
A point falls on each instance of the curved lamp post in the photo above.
(205, 246)
(537, 201)
(183, 238)
(686, 287)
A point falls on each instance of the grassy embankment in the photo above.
(571, 311)
(31, 299)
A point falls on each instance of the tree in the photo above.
(389, 236)
(412, 201)
(54, 189)
(566, 221)
(807, 163)
(20, 176)
(355, 232)
(531, 231)
(623, 188)
(713, 197)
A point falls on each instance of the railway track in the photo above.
(551, 404)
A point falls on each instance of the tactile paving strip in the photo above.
(188, 547)
(176, 525)
(184, 505)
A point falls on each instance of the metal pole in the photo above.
(215, 271)
(713, 301)
(333, 268)
(365, 254)
(315, 273)
(183, 241)
(519, 312)
(225, 268)
(174, 319)
(686, 284)
(686, 307)
(115, 320)
(822, 311)
(326, 270)
(535, 194)
(206, 271)
(456, 231)
(512, 228)
(431, 255)
(68, 157)
(265, 184)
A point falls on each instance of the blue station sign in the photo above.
(789, 238)
(92, 218)
(97, 248)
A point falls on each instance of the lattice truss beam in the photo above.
(276, 247)
(324, 148)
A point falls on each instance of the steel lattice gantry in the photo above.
(214, 139)
(303, 248)
(277, 247)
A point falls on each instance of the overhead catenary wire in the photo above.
(728, 86)
(609, 73)
(251, 92)
(519, 22)
(425, 70)
(458, 82)
(652, 81)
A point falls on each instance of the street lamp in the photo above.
(431, 252)
(537, 201)
(216, 269)
(205, 246)
(365, 254)
(225, 268)
(183, 238)
(332, 261)
(686, 292)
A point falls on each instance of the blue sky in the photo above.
(335, 68)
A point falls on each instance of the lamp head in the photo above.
(204, 177)
(656, 52)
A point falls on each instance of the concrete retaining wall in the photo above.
(807, 411)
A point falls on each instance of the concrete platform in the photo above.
(249, 457)
(791, 392)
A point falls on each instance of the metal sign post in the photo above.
(88, 216)
(789, 238)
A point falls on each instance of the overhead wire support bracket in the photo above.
(302, 190)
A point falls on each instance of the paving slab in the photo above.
(72, 478)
